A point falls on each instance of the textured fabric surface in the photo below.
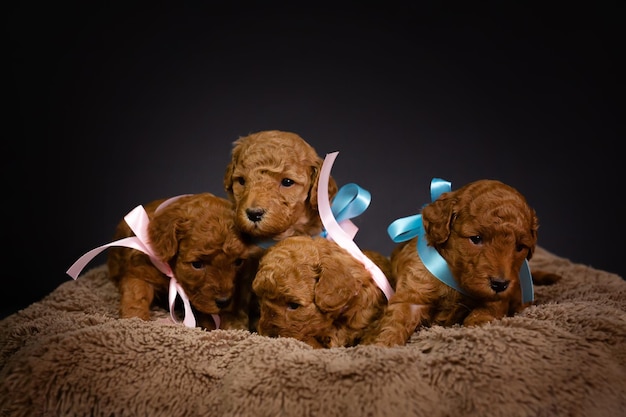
(69, 355)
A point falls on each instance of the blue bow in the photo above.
(350, 201)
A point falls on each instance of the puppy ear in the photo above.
(438, 217)
(264, 281)
(340, 278)
(230, 168)
(534, 227)
(228, 180)
(164, 231)
(332, 185)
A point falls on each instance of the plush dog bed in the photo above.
(69, 355)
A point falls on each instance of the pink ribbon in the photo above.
(338, 234)
(138, 221)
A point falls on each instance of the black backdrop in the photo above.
(113, 106)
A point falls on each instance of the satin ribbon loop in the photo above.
(439, 186)
(338, 234)
(138, 221)
(176, 290)
(405, 228)
(350, 201)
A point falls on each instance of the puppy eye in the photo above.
(238, 262)
(293, 306)
(520, 248)
(476, 240)
(241, 180)
(286, 182)
(197, 264)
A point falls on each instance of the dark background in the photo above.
(113, 106)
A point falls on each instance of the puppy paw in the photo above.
(545, 278)
(388, 338)
(129, 312)
(477, 319)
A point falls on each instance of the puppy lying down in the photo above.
(311, 289)
(467, 264)
(195, 237)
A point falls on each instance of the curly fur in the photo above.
(313, 290)
(484, 231)
(272, 180)
(196, 236)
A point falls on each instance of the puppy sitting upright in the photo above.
(315, 291)
(195, 235)
(272, 180)
(465, 266)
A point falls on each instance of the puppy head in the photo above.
(484, 231)
(272, 180)
(196, 236)
(306, 286)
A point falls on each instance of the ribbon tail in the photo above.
(175, 289)
(129, 242)
(526, 282)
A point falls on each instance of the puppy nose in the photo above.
(255, 214)
(498, 284)
(222, 302)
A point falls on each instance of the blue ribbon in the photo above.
(526, 282)
(265, 244)
(406, 228)
(350, 201)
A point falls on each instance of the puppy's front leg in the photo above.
(136, 297)
(486, 313)
(399, 323)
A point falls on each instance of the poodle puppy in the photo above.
(196, 236)
(311, 289)
(272, 180)
(484, 232)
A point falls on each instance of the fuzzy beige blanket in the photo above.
(69, 355)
